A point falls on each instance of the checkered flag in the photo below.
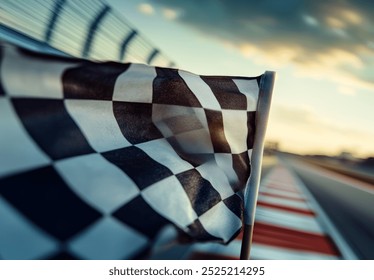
(97, 158)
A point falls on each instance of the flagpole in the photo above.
(251, 194)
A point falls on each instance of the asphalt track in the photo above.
(347, 202)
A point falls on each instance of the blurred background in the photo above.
(321, 127)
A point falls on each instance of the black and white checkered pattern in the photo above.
(96, 158)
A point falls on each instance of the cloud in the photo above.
(312, 21)
(170, 14)
(167, 13)
(325, 39)
(347, 90)
(146, 9)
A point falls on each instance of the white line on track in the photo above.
(288, 220)
(266, 252)
(337, 177)
(340, 242)
(284, 202)
(281, 192)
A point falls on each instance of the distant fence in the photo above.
(89, 29)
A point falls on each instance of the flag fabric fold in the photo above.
(96, 158)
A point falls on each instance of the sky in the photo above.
(322, 51)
